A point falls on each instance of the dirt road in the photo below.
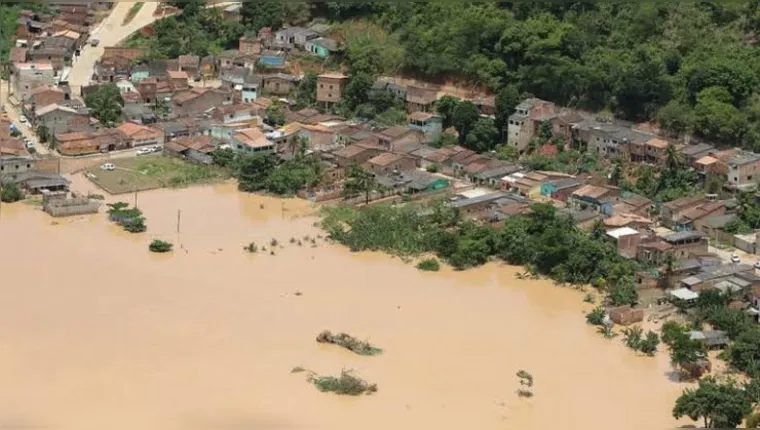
(110, 32)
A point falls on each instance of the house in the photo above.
(680, 246)
(251, 140)
(743, 170)
(413, 182)
(420, 98)
(478, 205)
(139, 113)
(18, 55)
(330, 87)
(358, 153)
(688, 212)
(140, 135)
(560, 189)
(630, 204)
(322, 46)
(279, 84)
(249, 45)
(272, 59)
(12, 166)
(319, 137)
(295, 35)
(563, 124)
(189, 64)
(46, 95)
(524, 124)
(227, 58)
(656, 151)
(29, 76)
(55, 50)
(61, 119)
(387, 87)
(710, 276)
(198, 100)
(90, 142)
(34, 182)
(431, 125)
(711, 339)
(178, 79)
(628, 220)
(386, 163)
(207, 66)
(197, 149)
(692, 153)
(592, 196)
(236, 113)
(393, 137)
(714, 226)
(486, 104)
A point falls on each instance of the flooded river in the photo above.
(98, 333)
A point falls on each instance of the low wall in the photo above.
(71, 207)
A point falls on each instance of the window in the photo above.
(320, 86)
(331, 87)
(28, 166)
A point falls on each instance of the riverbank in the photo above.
(112, 335)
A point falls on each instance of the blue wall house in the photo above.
(429, 124)
(322, 46)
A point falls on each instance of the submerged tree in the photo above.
(526, 384)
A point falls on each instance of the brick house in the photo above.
(29, 76)
(198, 100)
(524, 124)
(680, 246)
(61, 119)
(689, 213)
(744, 169)
(279, 83)
(386, 163)
(249, 45)
(420, 98)
(140, 135)
(358, 153)
(330, 87)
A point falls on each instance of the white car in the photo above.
(23, 120)
(107, 166)
(757, 264)
(735, 259)
(144, 151)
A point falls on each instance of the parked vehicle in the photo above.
(94, 42)
(23, 120)
(144, 151)
(107, 166)
(757, 264)
(735, 259)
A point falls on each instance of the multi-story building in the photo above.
(525, 123)
(330, 87)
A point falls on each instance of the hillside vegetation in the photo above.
(692, 66)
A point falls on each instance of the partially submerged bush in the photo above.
(11, 192)
(251, 247)
(597, 316)
(429, 265)
(346, 384)
(160, 246)
(349, 342)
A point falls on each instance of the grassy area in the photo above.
(151, 172)
(133, 11)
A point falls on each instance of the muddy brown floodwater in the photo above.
(96, 332)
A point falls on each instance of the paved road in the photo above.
(14, 114)
(110, 32)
